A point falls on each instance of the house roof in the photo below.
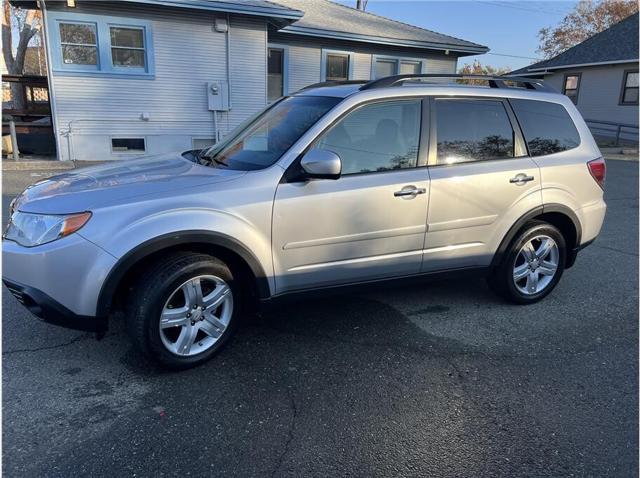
(248, 7)
(323, 18)
(616, 44)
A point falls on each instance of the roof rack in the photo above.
(494, 81)
(334, 83)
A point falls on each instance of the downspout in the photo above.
(228, 66)
(52, 96)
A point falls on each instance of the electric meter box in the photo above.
(218, 95)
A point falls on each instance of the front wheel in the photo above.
(184, 309)
(533, 264)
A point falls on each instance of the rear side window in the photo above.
(472, 130)
(547, 127)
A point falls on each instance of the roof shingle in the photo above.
(616, 44)
(349, 23)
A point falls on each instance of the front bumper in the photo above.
(47, 309)
(59, 281)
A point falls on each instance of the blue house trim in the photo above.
(105, 66)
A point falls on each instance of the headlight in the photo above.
(34, 229)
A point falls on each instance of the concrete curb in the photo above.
(621, 157)
(45, 165)
(10, 165)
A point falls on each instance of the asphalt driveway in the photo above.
(429, 380)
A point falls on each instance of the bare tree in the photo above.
(584, 21)
(25, 25)
(477, 68)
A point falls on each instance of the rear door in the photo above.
(369, 223)
(482, 181)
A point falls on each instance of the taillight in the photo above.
(598, 170)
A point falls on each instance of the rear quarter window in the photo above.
(547, 127)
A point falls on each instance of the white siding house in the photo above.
(135, 77)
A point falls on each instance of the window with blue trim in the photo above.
(97, 45)
(387, 66)
(336, 65)
(79, 44)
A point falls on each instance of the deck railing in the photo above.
(620, 134)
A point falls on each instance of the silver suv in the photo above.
(337, 184)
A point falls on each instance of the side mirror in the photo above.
(321, 164)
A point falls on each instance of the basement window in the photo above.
(128, 145)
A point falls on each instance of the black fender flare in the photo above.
(535, 212)
(182, 238)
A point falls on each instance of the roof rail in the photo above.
(334, 83)
(494, 81)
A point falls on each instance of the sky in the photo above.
(506, 27)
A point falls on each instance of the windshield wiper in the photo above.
(217, 161)
(207, 160)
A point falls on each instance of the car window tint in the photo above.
(376, 137)
(472, 130)
(547, 127)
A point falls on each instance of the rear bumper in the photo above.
(591, 218)
(48, 310)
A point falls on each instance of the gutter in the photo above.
(316, 32)
(580, 65)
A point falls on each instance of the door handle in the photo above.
(521, 179)
(409, 192)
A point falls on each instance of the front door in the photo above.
(482, 181)
(369, 223)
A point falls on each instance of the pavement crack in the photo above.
(290, 435)
(49, 347)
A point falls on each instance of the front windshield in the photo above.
(270, 134)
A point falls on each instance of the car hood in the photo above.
(117, 182)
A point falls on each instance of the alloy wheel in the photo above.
(536, 265)
(196, 315)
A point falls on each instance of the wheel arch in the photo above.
(558, 215)
(225, 247)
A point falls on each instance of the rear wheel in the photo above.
(533, 264)
(183, 310)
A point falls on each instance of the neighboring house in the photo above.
(600, 75)
(147, 76)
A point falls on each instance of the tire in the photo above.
(169, 289)
(517, 261)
